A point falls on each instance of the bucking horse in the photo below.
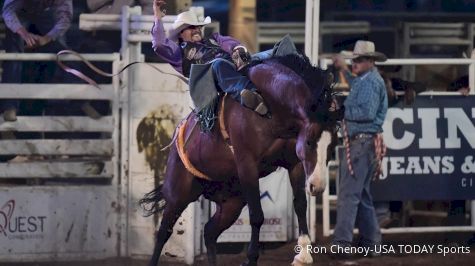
(225, 164)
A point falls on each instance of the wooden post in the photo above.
(242, 22)
(312, 30)
(175, 7)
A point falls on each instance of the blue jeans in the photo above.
(229, 79)
(382, 210)
(12, 70)
(355, 204)
(262, 55)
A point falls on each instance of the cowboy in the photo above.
(365, 111)
(186, 47)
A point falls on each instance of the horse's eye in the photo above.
(310, 143)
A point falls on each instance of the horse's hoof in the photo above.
(297, 262)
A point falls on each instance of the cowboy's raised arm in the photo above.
(167, 49)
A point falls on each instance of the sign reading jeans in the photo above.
(431, 150)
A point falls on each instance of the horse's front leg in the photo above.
(297, 180)
(249, 179)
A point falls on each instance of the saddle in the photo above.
(203, 89)
(183, 136)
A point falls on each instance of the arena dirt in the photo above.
(282, 254)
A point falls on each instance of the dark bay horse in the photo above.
(299, 97)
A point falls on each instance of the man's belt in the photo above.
(361, 136)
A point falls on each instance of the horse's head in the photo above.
(315, 143)
(301, 95)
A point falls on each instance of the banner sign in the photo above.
(51, 223)
(431, 150)
(277, 206)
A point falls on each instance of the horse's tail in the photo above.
(153, 202)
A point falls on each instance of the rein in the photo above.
(90, 81)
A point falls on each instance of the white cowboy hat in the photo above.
(185, 19)
(366, 49)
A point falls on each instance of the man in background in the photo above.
(365, 111)
(32, 25)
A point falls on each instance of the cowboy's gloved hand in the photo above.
(157, 8)
(241, 57)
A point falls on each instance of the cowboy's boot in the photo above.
(254, 101)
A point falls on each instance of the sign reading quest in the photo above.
(431, 150)
(20, 227)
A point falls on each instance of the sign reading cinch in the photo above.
(431, 150)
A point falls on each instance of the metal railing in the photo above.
(105, 151)
(272, 32)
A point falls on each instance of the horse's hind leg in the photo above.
(171, 213)
(179, 189)
(297, 180)
(170, 216)
(226, 214)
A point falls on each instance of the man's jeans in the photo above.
(12, 70)
(382, 210)
(233, 82)
(355, 203)
(229, 79)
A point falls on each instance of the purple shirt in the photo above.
(63, 13)
(171, 52)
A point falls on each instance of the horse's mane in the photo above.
(316, 79)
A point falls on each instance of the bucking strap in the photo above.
(222, 126)
(180, 145)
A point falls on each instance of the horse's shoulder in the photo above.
(270, 67)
